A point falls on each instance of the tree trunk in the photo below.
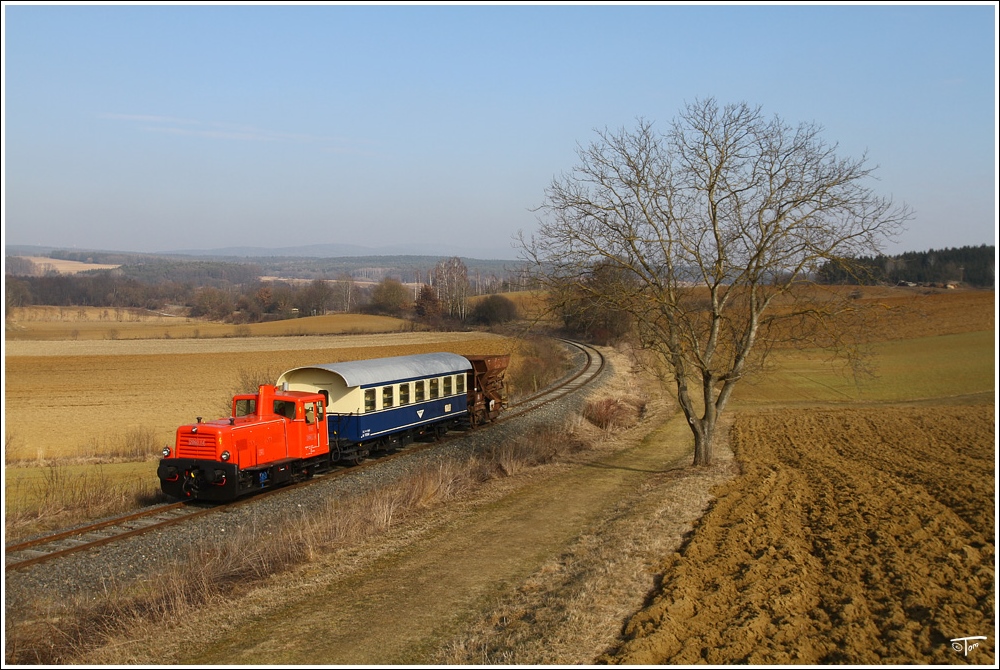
(703, 428)
(704, 438)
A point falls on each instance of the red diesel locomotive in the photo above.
(317, 416)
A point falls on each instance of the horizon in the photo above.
(220, 253)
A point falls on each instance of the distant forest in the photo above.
(407, 269)
(252, 290)
(968, 266)
(240, 290)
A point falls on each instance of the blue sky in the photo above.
(153, 128)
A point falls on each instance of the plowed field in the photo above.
(852, 536)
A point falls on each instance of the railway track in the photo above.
(84, 538)
(591, 369)
(94, 535)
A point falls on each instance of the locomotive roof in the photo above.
(397, 368)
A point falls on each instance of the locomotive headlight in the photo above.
(225, 455)
(166, 452)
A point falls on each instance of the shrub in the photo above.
(614, 413)
(493, 310)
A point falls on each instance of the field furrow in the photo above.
(852, 536)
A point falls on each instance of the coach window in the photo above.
(447, 386)
(387, 396)
(369, 400)
(418, 391)
(434, 388)
(460, 384)
(404, 394)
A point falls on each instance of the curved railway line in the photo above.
(91, 536)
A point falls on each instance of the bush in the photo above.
(390, 297)
(614, 413)
(493, 310)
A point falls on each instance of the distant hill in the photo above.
(302, 251)
(351, 250)
(246, 264)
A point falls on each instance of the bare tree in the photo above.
(314, 299)
(712, 231)
(20, 266)
(344, 292)
(451, 278)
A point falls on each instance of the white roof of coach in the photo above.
(385, 370)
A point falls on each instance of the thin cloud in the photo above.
(149, 118)
(227, 131)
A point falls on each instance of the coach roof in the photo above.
(386, 370)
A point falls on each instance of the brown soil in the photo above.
(852, 536)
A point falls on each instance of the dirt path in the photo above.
(557, 555)
(403, 607)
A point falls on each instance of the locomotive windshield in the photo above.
(246, 407)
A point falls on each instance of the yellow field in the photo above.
(98, 323)
(945, 366)
(66, 398)
(67, 267)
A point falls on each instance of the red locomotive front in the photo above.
(272, 437)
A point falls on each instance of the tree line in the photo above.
(235, 293)
(969, 266)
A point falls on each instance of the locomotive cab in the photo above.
(272, 437)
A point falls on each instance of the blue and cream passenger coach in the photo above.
(378, 404)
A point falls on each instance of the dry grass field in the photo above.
(97, 390)
(858, 529)
(98, 323)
